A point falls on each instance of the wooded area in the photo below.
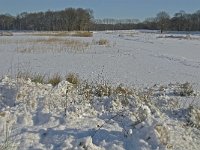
(66, 20)
(82, 19)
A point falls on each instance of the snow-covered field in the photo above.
(158, 113)
(133, 57)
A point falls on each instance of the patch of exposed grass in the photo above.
(103, 90)
(103, 42)
(2, 114)
(25, 75)
(6, 34)
(83, 34)
(38, 78)
(55, 79)
(73, 78)
(65, 33)
(184, 89)
(35, 77)
(54, 44)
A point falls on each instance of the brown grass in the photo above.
(64, 33)
(73, 78)
(83, 34)
(2, 114)
(55, 79)
(103, 42)
(54, 44)
(6, 34)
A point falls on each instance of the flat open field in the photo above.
(155, 108)
(130, 57)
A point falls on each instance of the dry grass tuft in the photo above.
(55, 79)
(184, 89)
(25, 75)
(103, 90)
(38, 78)
(73, 78)
(103, 42)
(2, 114)
(194, 116)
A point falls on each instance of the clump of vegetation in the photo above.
(163, 134)
(65, 33)
(73, 78)
(2, 114)
(6, 34)
(38, 78)
(83, 34)
(55, 79)
(25, 75)
(185, 89)
(103, 90)
(194, 116)
(103, 42)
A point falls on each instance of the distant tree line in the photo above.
(82, 19)
(181, 21)
(68, 20)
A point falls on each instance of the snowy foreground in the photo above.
(160, 111)
(40, 116)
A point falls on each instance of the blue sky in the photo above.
(138, 9)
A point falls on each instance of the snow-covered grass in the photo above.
(96, 116)
(132, 57)
(156, 107)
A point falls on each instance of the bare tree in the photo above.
(163, 19)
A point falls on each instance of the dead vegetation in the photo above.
(6, 34)
(55, 79)
(103, 42)
(73, 78)
(53, 44)
(64, 33)
(180, 37)
(123, 102)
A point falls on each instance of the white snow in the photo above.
(132, 57)
(40, 116)
(159, 113)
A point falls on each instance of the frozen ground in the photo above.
(159, 115)
(39, 116)
(132, 57)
